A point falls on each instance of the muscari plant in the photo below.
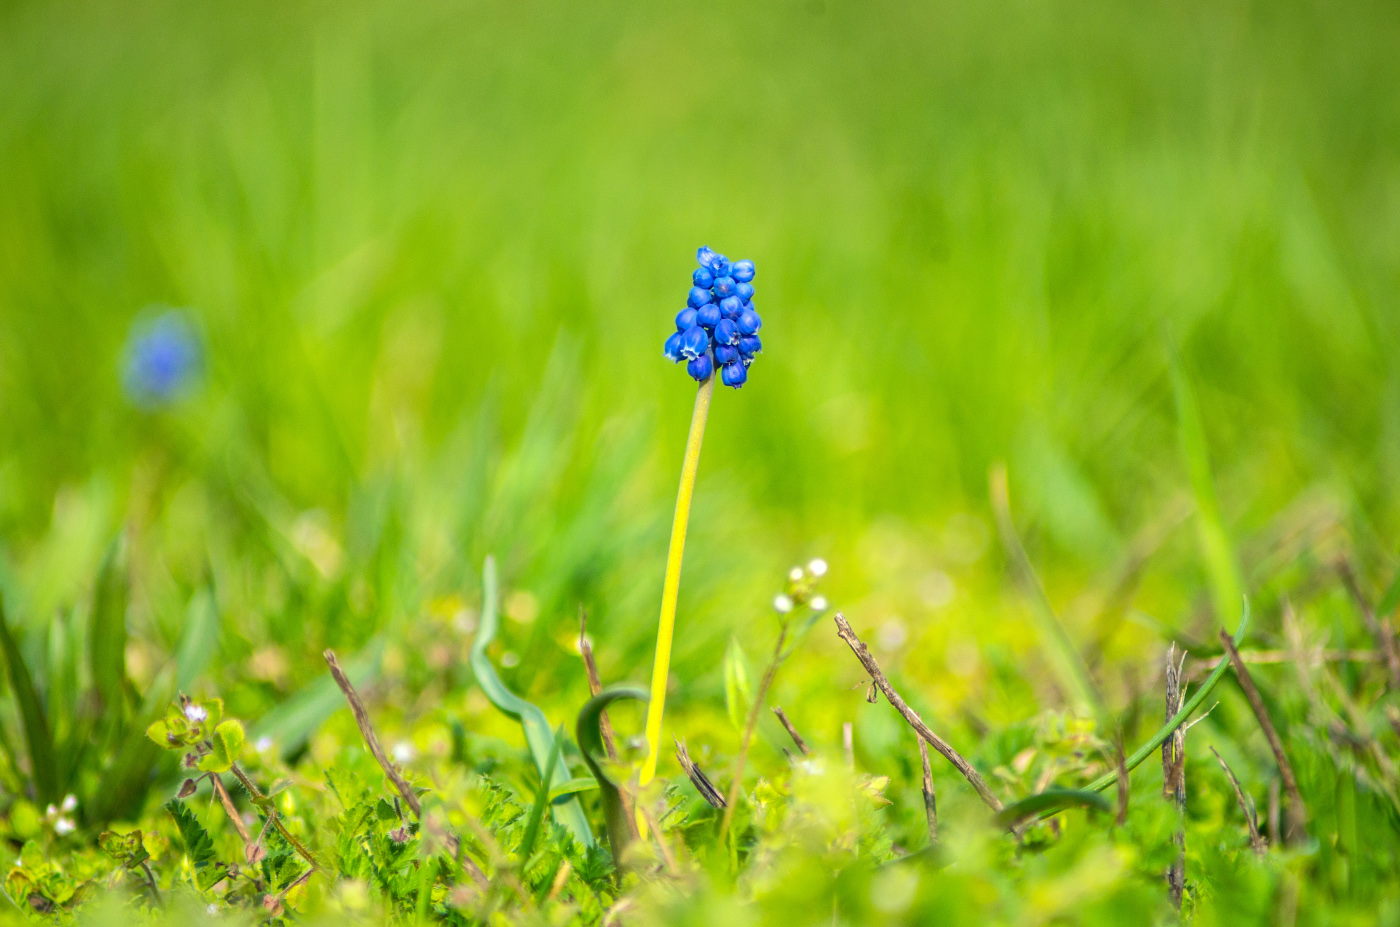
(718, 328)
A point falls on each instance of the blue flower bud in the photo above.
(749, 322)
(726, 332)
(699, 296)
(685, 319)
(726, 354)
(734, 375)
(673, 348)
(703, 278)
(749, 345)
(742, 271)
(744, 291)
(694, 342)
(709, 315)
(719, 266)
(724, 286)
(700, 368)
(706, 257)
(730, 307)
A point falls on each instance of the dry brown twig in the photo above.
(862, 653)
(1174, 774)
(1379, 627)
(357, 708)
(1297, 811)
(930, 800)
(792, 731)
(1251, 816)
(229, 809)
(697, 776)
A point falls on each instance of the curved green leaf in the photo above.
(590, 742)
(1048, 802)
(36, 725)
(538, 736)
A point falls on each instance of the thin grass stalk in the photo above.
(670, 590)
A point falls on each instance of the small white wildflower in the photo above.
(795, 574)
(196, 713)
(212, 910)
(263, 744)
(404, 752)
(818, 603)
(70, 803)
(63, 827)
(782, 603)
(817, 567)
(51, 812)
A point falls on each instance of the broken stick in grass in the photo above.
(930, 800)
(1297, 812)
(792, 731)
(1174, 776)
(697, 776)
(357, 708)
(862, 653)
(1380, 628)
(1251, 816)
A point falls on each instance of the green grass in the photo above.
(1147, 256)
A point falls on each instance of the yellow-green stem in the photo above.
(669, 591)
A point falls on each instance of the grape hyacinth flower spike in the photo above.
(719, 320)
(715, 332)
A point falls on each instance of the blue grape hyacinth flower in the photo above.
(717, 329)
(162, 359)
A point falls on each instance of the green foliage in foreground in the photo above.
(254, 837)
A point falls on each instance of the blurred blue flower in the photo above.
(717, 327)
(162, 360)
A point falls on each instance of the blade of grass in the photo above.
(538, 736)
(1221, 567)
(107, 628)
(532, 826)
(198, 640)
(1065, 658)
(126, 779)
(43, 765)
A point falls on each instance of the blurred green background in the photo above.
(433, 250)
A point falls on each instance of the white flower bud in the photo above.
(817, 567)
(782, 603)
(818, 603)
(795, 574)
